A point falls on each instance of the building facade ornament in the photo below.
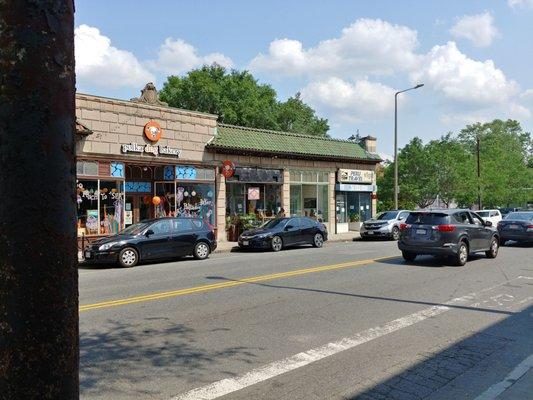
(149, 96)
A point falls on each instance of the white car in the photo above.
(493, 216)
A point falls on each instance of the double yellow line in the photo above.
(221, 285)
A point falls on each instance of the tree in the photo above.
(505, 155)
(38, 254)
(238, 99)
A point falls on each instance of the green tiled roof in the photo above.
(230, 138)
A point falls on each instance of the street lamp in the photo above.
(396, 141)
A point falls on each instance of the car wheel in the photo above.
(128, 257)
(276, 244)
(462, 254)
(494, 246)
(408, 256)
(318, 240)
(395, 233)
(201, 251)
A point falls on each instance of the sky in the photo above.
(346, 58)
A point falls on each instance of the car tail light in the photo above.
(403, 227)
(529, 228)
(446, 228)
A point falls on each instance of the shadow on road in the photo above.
(360, 296)
(434, 372)
(126, 360)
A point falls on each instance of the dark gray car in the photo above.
(453, 234)
(516, 226)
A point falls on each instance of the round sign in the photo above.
(228, 169)
(156, 200)
(152, 131)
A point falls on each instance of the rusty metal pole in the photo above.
(39, 353)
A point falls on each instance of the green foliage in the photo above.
(447, 168)
(238, 99)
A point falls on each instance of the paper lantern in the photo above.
(156, 200)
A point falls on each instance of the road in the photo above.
(347, 321)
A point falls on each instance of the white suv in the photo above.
(385, 224)
(493, 216)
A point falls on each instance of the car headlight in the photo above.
(107, 246)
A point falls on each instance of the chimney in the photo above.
(369, 143)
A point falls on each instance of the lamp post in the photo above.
(396, 141)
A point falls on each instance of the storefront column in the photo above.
(331, 203)
(286, 192)
(221, 207)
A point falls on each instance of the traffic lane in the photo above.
(183, 342)
(99, 284)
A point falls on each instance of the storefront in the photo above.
(353, 198)
(309, 194)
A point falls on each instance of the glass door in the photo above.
(166, 191)
(365, 205)
(341, 208)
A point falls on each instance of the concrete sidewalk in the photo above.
(225, 246)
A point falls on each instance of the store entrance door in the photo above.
(136, 209)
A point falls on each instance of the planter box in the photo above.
(354, 226)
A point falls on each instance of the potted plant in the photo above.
(354, 221)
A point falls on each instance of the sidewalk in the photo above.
(224, 247)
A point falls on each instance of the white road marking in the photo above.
(230, 385)
(498, 388)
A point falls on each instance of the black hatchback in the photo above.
(279, 233)
(155, 239)
(449, 233)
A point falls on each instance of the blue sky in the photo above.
(346, 57)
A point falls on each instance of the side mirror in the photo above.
(148, 233)
(487, 223)
(289, 227)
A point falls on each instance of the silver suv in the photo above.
(384, 225)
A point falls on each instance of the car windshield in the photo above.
(274, 222)
(483, 214)
(427, 219)
(520, 216)
(134, 229)
(387, 215)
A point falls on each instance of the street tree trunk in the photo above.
(39, 353)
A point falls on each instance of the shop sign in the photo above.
(355, 176)
(343, 187)
(153, 131)
(128, 217)
(254, 193)
(150, 149)
(228, 169)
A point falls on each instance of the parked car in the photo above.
(453, 234)
(385, 225)
(279, 233)
(155, 239)
(516, 226)
(507, 210)
(493, 216)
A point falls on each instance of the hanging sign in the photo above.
(254, 193)
(228, 169)
(153, 131)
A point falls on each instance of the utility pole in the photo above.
(479, 205)
(39, 352)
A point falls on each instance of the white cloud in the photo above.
(98, 63)
(368, 46)
(176, 56)
(527, 94)
(479, 29)
(350, 101)
(520, 3)
(464, 80)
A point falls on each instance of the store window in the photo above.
(263, 200)
(196, 200)
(89, 168)
(100, 207)
(309, 194)
(166, 191)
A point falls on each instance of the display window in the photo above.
(263, 200)
(309, 194)
(166, 191)
(196, 200)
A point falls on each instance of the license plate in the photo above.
(245, 242)
(514, 227)
(421, 231)
(87, 254)
(370, 232)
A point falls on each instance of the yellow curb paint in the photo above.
(222, 285)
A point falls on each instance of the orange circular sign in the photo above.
(228, 169)
(152, 131)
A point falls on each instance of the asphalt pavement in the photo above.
(351, 320)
